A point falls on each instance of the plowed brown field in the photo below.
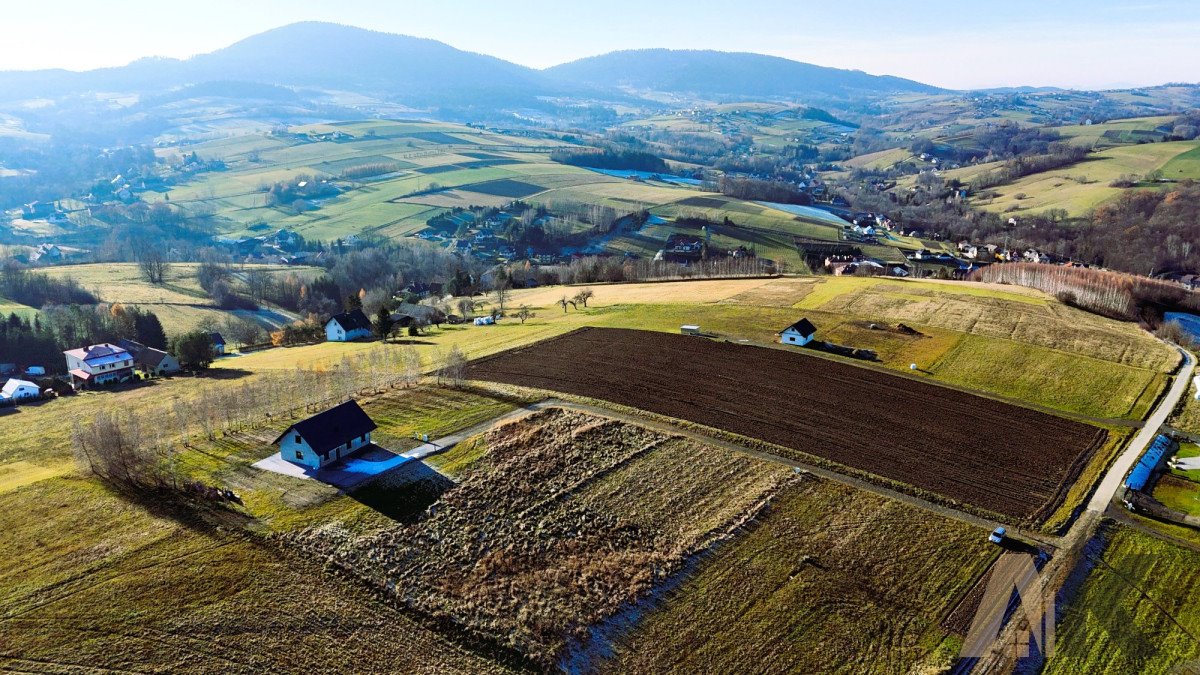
(993, 455)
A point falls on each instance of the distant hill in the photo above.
(430, 73)
(727, 74)
(319, 55)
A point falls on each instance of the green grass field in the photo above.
(1136, 612)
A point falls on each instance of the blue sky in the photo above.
(1075, 43)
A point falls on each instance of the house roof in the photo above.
(131, 346)
(352, 320)
(13, 385)
(151, 357)
(804, 327)
(100, 354)
(325, 431)
(216, 338)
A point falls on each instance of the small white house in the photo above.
(484, 321)
(326, 437)
(689, 329)
(19, 390)
(347, 326)
(799, 333)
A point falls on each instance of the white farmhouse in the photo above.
(326, 437)
(347, 326)
(98, 365)
(19, 390)
(799, 333)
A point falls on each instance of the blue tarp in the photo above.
(1148, 463)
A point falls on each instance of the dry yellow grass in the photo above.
(708, 290)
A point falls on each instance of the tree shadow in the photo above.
(409, 342)
(222, 374)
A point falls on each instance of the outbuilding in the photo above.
(326, 437)
(347, 326)
(218, 343)
(20, 390)
(799, 333)
(689, 329)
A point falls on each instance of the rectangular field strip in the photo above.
(993, 455)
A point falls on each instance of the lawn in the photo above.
(1187, 449)
(1178, 494)
(830, 579)
(1137, 612)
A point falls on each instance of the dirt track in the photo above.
(979, 451)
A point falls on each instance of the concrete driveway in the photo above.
(344, 474)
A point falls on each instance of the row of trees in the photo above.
(38, 289)
(612, 157)
(1112, 294)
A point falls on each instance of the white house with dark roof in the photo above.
(347, 326)
(799, 333)
(99, 365)
(326, 437)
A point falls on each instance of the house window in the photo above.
(298, 438)
(299, 455)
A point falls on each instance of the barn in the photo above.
(326, 437)
(799, 333)
(1148, 463)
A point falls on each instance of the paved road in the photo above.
(1116, 474)
(1072, 543)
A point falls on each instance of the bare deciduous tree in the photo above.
(453, 367)
(153, 264)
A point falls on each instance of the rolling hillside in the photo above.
(434, 167)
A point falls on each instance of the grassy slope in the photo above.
(818, 584)
(1136, 612)
(1064, 189)
(179, 301)
(91, 581)
(8, 307)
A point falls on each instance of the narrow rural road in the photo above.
(1116, 473)
(999, 658)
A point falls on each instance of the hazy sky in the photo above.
(1075, 43)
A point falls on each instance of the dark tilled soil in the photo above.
(974, 450)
